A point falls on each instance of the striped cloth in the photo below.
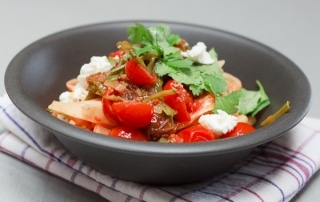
(275, 171)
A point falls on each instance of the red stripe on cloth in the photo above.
(256, 180)
(175, 196)
(89, 171)
(71, 161)
(280, 168)
(11, 153)
(254, 193)
(299, 149)
(55, 150)
(47, 167)
(142, 192)
(99, 187)
(289, 160)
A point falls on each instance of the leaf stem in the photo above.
(270, 119)
(160, 95)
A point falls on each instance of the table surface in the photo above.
(291, 27)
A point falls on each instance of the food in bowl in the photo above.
(38, 73)
(155, 87)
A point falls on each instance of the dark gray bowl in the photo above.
(37, 75)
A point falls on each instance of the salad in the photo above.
(156, 87)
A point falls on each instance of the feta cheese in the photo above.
(66, 96)
(97, 64)
(198, 53)
(78, 94)
(220, 123)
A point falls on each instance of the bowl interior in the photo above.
(37, 75)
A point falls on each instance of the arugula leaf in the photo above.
(243, 101)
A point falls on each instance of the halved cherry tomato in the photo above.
(181, 101)
(241, 128)
(138, 75)
(108, 110)
(196, 133)
(117, 53)
(128, 133)
(133, 114)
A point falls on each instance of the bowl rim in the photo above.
(40, 116)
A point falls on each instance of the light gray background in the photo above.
(291, 27)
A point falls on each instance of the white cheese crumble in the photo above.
(78, 94)
(220, 123)
(198, 53)
(97, 64)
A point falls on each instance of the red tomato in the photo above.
(138, 75)
(181, 101)
(241, 128)
(133, 114)
(118, 53)
(108, 110)
(128, 133)
(196, 133)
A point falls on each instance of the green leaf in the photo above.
(253, 101)
(139, 34)
(171, 53)
(158, 39)
(180, 64)
(215, 83)
(162, 33)
(139, 50)
(228, 103)
(243, 101)
(173, 39)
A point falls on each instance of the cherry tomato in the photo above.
(196, 133)
(181, 101)
(241, 128)
(138, 75)
(128, 133)
(117, 53)
(108, 110)
(133, 114)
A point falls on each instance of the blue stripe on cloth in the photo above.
(271, 164)
(114, 183)
(260, 178)
(209, 183)
(128, 199)
(268, 162)
(296, 154)
(25, 132)
(61, 156)
(30, 136)
(81, 166)
(74, 175)
(23, 153)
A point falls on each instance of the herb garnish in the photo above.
(198, 77)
